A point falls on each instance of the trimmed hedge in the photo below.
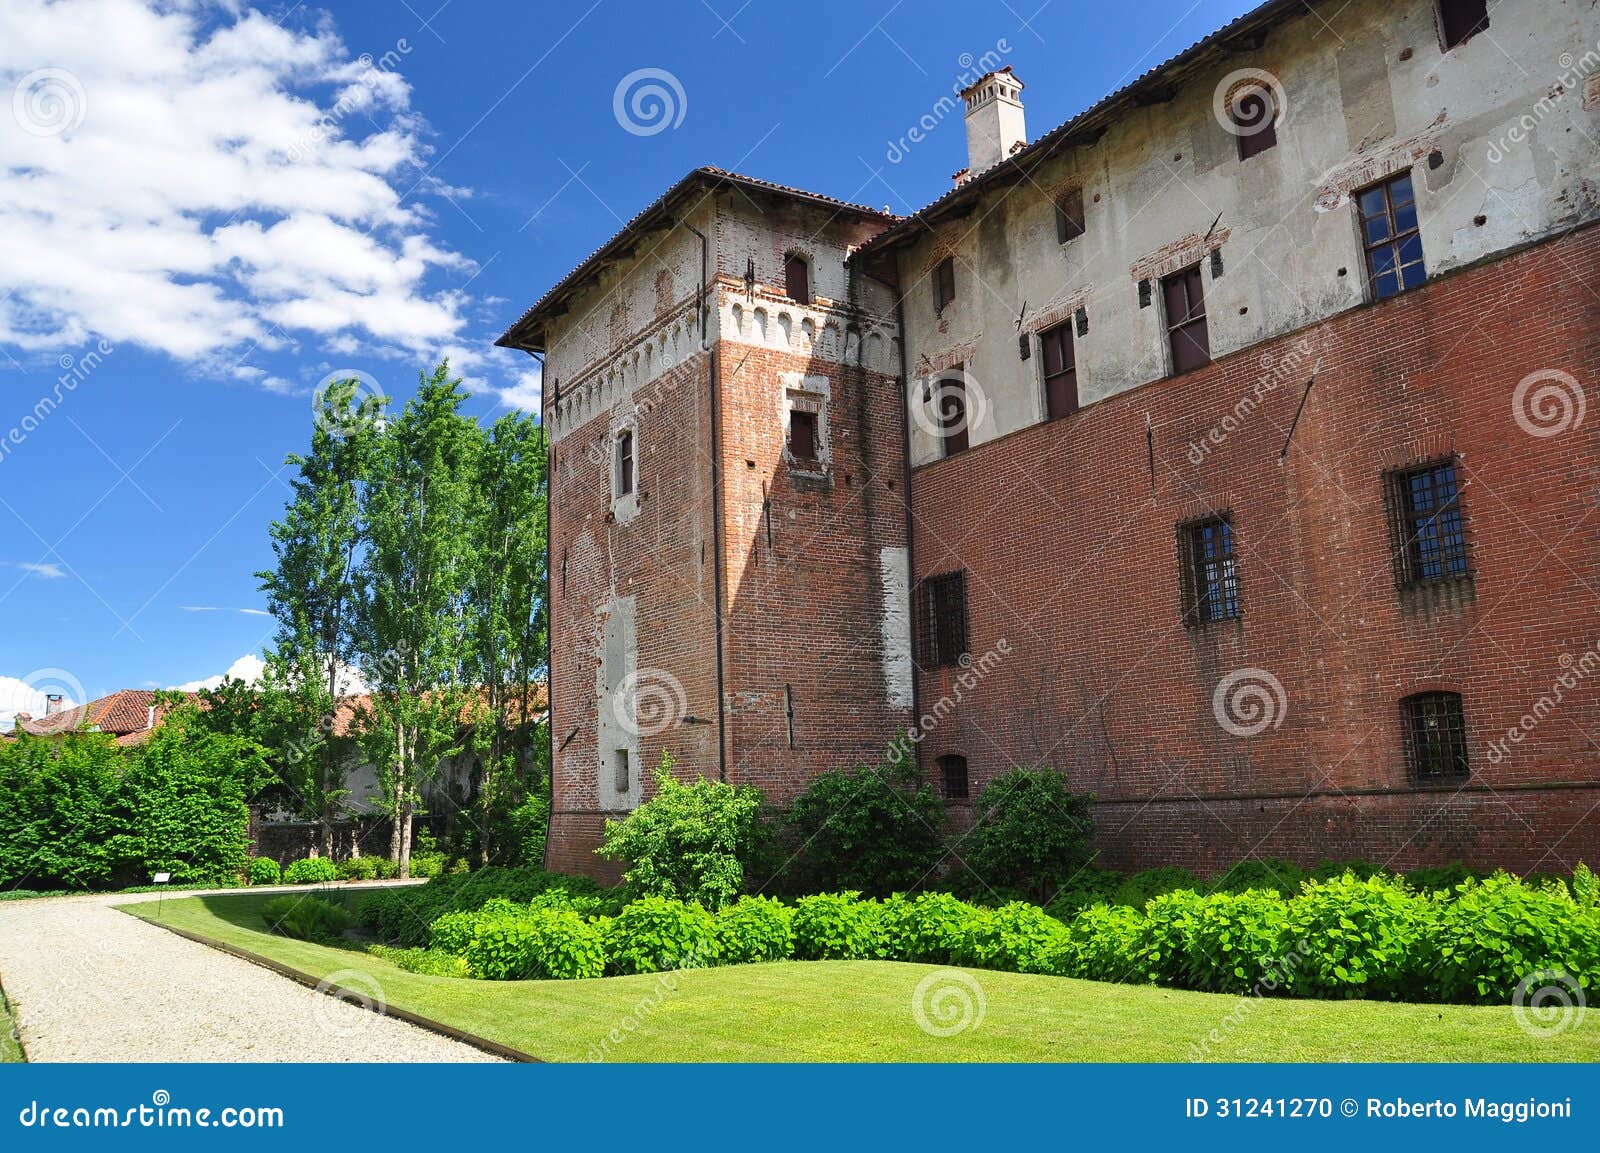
(263, 871)
(402, 916)
(310, 871)
(1347, 936)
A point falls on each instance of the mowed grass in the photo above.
(863, 1011)
(10, 1047)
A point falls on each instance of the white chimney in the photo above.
(995, 124)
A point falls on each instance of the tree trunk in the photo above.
(405, 841)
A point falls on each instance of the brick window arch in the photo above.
(797, 278)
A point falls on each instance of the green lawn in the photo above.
(10, 1047)
(862, 1011)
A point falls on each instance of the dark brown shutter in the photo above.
(797, 279)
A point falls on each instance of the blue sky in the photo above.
(207, 208)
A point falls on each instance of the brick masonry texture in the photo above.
(1067, 533)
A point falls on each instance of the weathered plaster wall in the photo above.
(1367, 92)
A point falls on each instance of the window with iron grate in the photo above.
(1208, 570)
(1436, 736)
(1428, 538)
(942, 619)
(953, 776)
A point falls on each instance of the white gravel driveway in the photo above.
(89, 983)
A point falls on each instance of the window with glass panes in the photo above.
(1390, 238)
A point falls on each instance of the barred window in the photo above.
(1436, 736)
(1210, 577)
(953, 776)
(942, 619)
(1428, 535)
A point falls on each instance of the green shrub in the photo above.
(402, 916)
(755, 929)
(305, 918)
(264, 871)
(875, 829)
(688, 842)
(1281, 877)
(930, 928)
(1231, 942)
(1360, 870)
(433, 863)
(1087, 887)
(1158, 951)
(1499, 931)
(1104, 944)
(1030, 833)
(358, 869)
(656, 934)
(835, 927)
(535, 944)
(1138, 888)
(428, 962)
(1351, 937)
(1442, 878)
(310, 871)
(1016, 937)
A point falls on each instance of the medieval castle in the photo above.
(1222, 448)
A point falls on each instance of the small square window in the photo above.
(1428, 534)
(953, 777)
(942, 619)
(1209, 571)
(944, 283)
(1253, 111)
(1069, 216)
(1390, 237)
(1436, 736)
(803, 435)
(1460, 20)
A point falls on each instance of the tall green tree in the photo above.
(413, 634)
(507, 610)
(311, 590)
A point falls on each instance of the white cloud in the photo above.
(247, 669)
(28, 696)
(526, 393)
(224, 609)
(47, 571)
(222, 183)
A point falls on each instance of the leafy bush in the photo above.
(875, 829)
(305, 918)
(264, 871)
(835, 927)
(1030, 833)
(1231, 941)
(930, 928)
(428, 962)
(1158, 951)
(1281, 877)
(1138, 888)
(535, 944)
(358, 869)
(1087, 887)
(402, 916)
(656, 934)
(310, 871)
(1443, 878)
(1350, 937)
(55, 819)
(755, 929)
(1500, 930)
(688, 842)
(1016, 937)
(1104, 944)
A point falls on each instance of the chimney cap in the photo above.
(987, 76)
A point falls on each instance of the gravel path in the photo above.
(89, 983)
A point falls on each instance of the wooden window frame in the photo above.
(1390, 214)
(802, 417)
(1434, 725)
(1428, 533)
(942, 619)
(791, 262)
(1191, 319)
(1057, 347)
(1255, 137)
(1070, 223)
(627, 476)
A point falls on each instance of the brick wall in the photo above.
(1067, 534)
